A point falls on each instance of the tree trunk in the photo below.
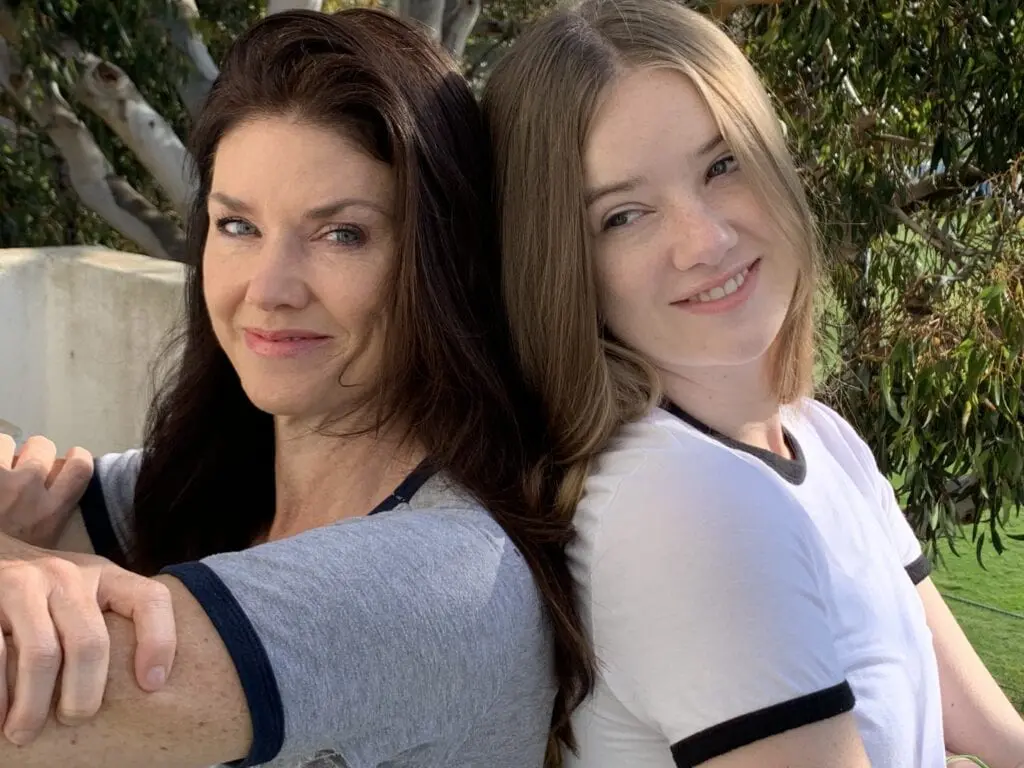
(106, 90)
(430, 13)
(276, 6)
(459, 19)
(89, 171)
(202, 68)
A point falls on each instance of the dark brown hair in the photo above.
(207, 478)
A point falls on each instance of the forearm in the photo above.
(977, 717)
(198, 719)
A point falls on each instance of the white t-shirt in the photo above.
(732, 595)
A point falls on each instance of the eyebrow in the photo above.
(315, 214)
(628, 185)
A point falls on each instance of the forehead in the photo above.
(282, 158)
(648, 118)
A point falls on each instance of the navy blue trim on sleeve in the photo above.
(919, 570)
(248, 654)
(407, 488)
(770, 721)
(96, 517)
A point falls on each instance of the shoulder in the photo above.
(660, 477)
(836, 433)
(108, 502)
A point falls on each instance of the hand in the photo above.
(38, 491)
(52, 610)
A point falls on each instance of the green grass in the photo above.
(997, 638)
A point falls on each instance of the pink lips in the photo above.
(285, 343)
(726, 303)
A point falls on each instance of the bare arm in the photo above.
(198, 719)
(977, 717)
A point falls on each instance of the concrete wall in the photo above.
(80, 329)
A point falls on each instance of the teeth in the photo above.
(720, 292)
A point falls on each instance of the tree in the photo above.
(904, 115)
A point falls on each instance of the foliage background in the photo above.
(905, 117)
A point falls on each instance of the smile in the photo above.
(727, 288)
(731, 292)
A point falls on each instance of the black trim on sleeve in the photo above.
(407, 488)
(770, 721)
(792, 470)
(248, 654)
(96, 517)
(919, 570)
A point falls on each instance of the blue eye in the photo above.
(620, 219)
(722, 166)
(347, 235)
(235, 227)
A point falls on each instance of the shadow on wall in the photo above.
(79, 332)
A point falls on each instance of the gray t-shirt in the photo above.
(414, 636)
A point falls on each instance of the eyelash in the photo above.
(727, 159)
(223, 223)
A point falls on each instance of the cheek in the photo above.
(223, 289)
(626, 291)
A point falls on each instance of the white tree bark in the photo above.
(276, 6)
(459, 19)
(90, 173)
(106, 90)
(428, 12)
(202, 70)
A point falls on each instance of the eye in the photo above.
(621, 219)
(347, 235)
(721, 166)
(233, 227)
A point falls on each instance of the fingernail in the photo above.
(156, 677)
(20, 738)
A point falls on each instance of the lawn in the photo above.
(998, 638)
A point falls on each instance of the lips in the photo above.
(721, 287)
(288, 343)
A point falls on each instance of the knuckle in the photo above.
(88, 646)
(41, 656)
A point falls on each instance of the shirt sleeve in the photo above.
(892, 517)
(708, 606)
(371, 636)
(107, 504)
(915, 562)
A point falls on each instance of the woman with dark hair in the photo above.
(343, 486)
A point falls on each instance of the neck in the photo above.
(735, 400)
(323, 476)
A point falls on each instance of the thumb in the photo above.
(147, 603)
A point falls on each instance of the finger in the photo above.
(148, 604)
(3, 678)
(70, 479)
(86, 649)
(36, 456)
(26, 608)
(7, 447)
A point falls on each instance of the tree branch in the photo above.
(430, 13)
(202, 68)
(90, 173)
(939, 240)
(276, 6)
(459, 19)
(108, 91)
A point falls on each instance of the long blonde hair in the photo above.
(539, 103)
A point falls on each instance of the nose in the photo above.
(699, 234)
(278, 280)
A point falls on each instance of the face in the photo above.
(299, 253)
(691, 272)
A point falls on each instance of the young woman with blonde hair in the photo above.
(753, 592)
